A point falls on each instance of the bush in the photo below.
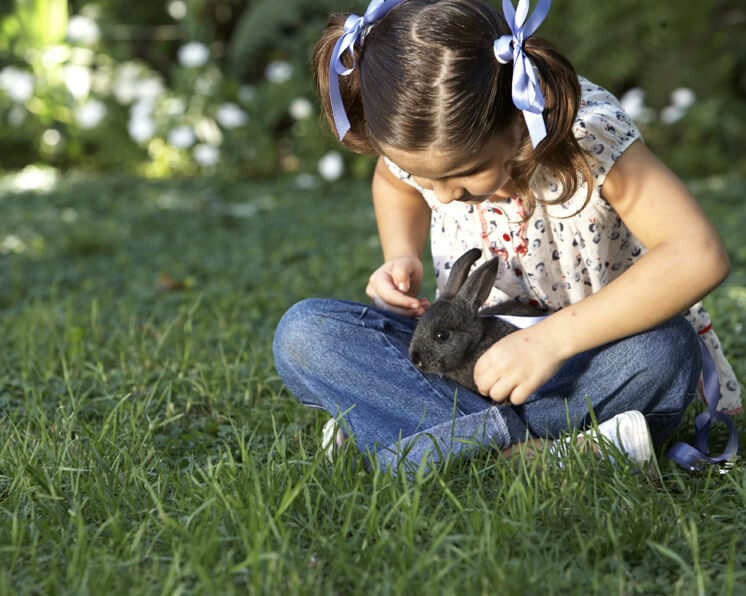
(217, 85)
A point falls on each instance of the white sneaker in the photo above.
(629, 433)
(332, 437)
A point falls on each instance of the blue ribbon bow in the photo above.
(527, 95)
(354, 29)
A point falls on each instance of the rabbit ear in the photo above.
(460, 270)
(480, 283)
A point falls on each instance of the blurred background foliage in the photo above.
(173, 87)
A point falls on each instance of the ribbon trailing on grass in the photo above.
(693, 457)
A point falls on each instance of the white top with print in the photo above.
(561, 254)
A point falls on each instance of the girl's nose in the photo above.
(447, 191)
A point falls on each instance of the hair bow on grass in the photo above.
(354, 29)
(527, 95)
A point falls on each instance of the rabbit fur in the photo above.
(451, 335)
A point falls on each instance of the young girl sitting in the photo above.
(488, 138)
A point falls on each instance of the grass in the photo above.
(148, 446)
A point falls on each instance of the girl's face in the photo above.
(479, 177)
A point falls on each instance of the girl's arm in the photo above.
(403, 219)
(686, 259)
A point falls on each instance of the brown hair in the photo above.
(427, 77)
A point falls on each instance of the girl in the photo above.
(488, 138)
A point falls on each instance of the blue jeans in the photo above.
(352, 360)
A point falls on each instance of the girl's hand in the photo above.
(395, 285)
(517, 365)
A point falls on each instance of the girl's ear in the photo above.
(460, 270)
(480, 283)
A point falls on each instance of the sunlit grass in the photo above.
(147, 444)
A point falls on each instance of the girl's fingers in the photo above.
(501, 390)
(406, 312)
(395, 301)
(401, 279)
(383, 287)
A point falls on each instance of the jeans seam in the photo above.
(500, 422)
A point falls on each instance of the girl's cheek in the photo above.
(491, 184)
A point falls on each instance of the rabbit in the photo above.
(451, 336)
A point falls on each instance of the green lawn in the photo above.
(147, 444)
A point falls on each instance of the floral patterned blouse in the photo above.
(562, 253)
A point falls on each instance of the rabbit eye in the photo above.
(442, 335)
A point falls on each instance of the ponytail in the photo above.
(560, 151)
(357, 138)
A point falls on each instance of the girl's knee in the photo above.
(296, 329)
(312, 327)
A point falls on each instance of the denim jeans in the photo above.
(351, 359)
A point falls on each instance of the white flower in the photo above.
(633, 102)
(142, 108)
(278, 71)
(301, 108)
(632, 98)
(82, 56)
(177, 9)
(682, 97)
(83, 30)
(229, 115)
(54, 55)
(78, 80)
(671, 114)
(16, 115)
(90, 114)
(40, 178)
(12, 245)
(306, 181)
(181, 137)
(174, 106)
(125, 82)
(51, 137)
(149, 89)
(208, 131)
(141, 128)
(102, 80)
(204, 85)
(331, 166)
(246, 93)
(69, 215)
(193, 54)
(18, 84)
(206, 155)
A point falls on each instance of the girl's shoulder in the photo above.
(602, 127)
(604, 131)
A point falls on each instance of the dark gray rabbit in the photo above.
(451, 335)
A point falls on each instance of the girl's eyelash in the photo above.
(465, 174)
(471, 172)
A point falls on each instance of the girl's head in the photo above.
(427, 80)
